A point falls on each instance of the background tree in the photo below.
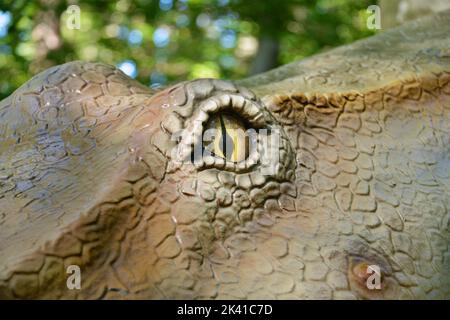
(159, 41)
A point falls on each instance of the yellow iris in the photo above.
(230, 140)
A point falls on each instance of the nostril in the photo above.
(370, 277)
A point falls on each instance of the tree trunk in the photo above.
(267, 56)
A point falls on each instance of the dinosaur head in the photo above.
(252, 203)
(326, 178)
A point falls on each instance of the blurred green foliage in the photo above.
(160, 41)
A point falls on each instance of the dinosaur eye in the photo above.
(225, 137)
(234, 133)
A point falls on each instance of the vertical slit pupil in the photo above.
(226, 142)
(228, 138)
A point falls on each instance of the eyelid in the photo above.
(247, 109)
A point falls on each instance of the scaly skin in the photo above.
(88, 178)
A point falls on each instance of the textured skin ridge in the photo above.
(86, 179)
(417, 47)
